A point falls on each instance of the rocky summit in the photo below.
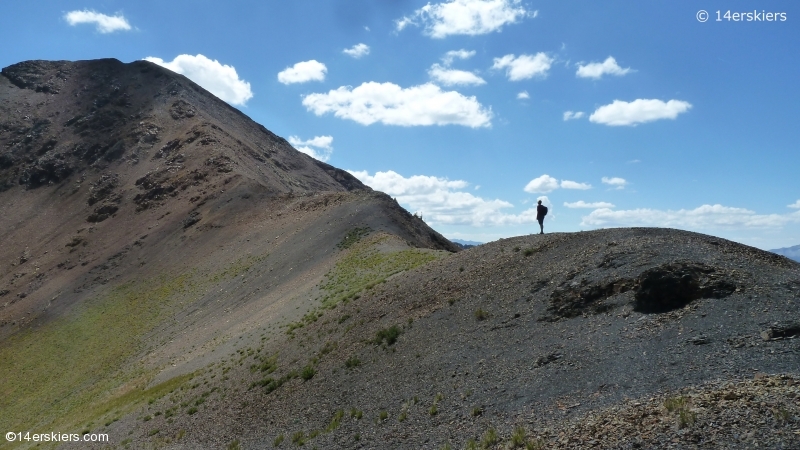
(174, 275)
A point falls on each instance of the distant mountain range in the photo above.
(789, 252)
(465, 244)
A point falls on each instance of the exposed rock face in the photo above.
(675, 285)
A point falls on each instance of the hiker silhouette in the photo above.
(541, 211)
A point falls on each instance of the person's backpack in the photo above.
(545, 210)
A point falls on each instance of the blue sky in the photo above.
(468, 111)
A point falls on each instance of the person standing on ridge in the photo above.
(541, 211)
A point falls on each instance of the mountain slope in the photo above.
(146, 225)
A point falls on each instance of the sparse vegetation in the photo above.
(336, 421)
(308, 373)
(518, 437)
(480, 314)
(278, 440)
(353, 236)
(388, 335)
(477, 411)
(299, 438)
(352, 362)
(489, 438)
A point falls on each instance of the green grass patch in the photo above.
(353, 236)
(365, 266)
(79, 367)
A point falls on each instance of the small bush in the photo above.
(529, 251)
(516, 249)
(352, 361)
(434, 410)
(153, 432)
(675, 403)
(234, 445)
(299, 438)
(278, 441)
(336, 421)
(481, 314)
(307, 373)
(518, 437)
(477, 411)
(191, 410)
(389, 335)
(489, 438)
(686, 418)
(537, 444)
(382, 416)
(471, 445)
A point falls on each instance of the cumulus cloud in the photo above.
(443, 201)
(546, 183)
(219, 79)
(795, 205)
(593, 205)
(638, 111)
(357, 51)
(523, 67)
(318, 147)
(465, 17)
(566, 184)
(452, 77)
(391, 104)
(303, 72)
(571, 115)
(596, 70)
(523, 95)
(105, 24)
(452, 55)
(615, 182)
(703, 217)
(541, 185)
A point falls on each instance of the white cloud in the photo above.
(357, 51)
(322, 146)
(524, 66)
(542, 185)
(638, 111)
(795, 205)
(105, 24)
(703, 217)
(219, 79)
(571, 115)
(443, 201)
(452, 77)
(546, 183)
(390, 104)
(596, 70)
(303, 72)
(593, 205)
(523, 95)
(616, 182)
(566, 184)
(452, 55)
(469, 17)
